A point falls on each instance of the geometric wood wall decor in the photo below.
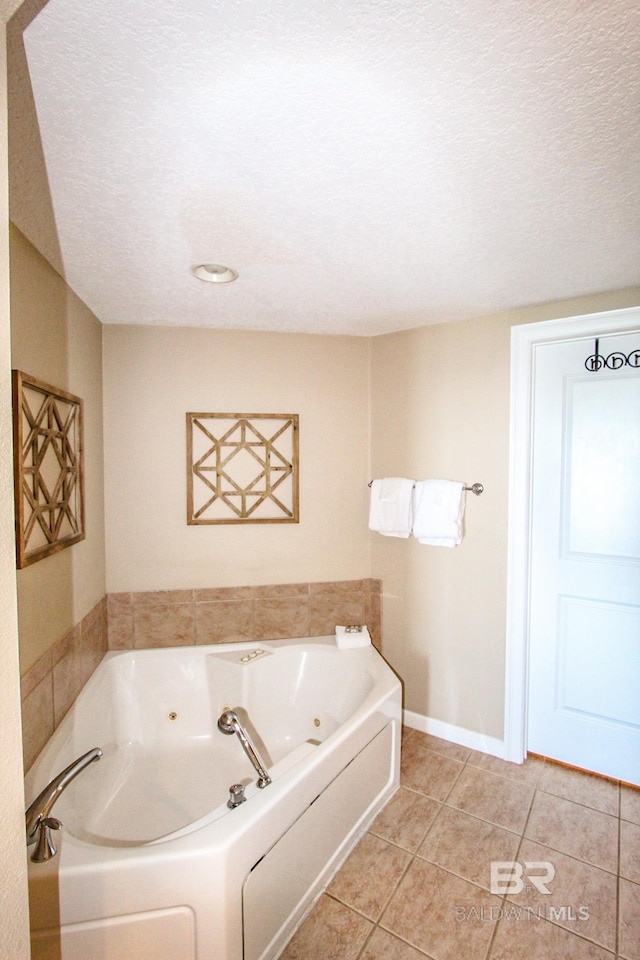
(48, 468)
(242, 468)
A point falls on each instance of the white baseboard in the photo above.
(448, 731)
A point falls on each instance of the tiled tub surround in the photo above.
(49, 688)
(417, 887)
(168, 618)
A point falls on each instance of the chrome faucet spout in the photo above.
(229, 723)
(39, 809)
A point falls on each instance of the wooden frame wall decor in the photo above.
(242, 468)
(48, 468)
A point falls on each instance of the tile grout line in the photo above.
(504, 899)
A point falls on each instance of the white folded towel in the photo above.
(354, 636)
(439, 512)
(391, 507)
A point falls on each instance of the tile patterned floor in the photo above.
(419, 882)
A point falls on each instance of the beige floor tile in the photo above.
(427, 772)
(581, 898)
(630, 803)
(630, 851)
(575, 830)
(527, 772)
(629, 923)
(384, 946)
(581, 787)
(466, 846)
(445, 747)
(330, 932)
(369, 876)
(446, 917)
(492, 798)
(405, 819)
(533, 939)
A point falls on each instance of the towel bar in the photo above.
(476, 488)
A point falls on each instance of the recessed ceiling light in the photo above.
(214, 273)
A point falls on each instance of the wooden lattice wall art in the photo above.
(48, 468)
(242, 468)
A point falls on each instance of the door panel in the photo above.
(602, 440)
(585, 683)
(584, 657)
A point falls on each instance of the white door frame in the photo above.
(524, 340)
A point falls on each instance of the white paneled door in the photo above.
(584, 630)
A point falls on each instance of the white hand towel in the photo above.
(439, 512)
(391, 507)
(349, 637)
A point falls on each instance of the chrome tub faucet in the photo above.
(37, 820)
(229, 723)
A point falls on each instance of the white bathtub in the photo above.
(152, 864)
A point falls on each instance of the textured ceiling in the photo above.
(366, 165)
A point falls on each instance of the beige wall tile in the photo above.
(120, 631)
(163, 597)
(37, 719)
(329, 609)
(285, 617)
(372, 616)
(93, 639)
(282, 590)
(225, 621)
(223, 593)
(67, 680)
(35, 674)
(164, 625)
(337, 586)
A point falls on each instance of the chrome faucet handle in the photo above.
(45, 847)
(236, 795)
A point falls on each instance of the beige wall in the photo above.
(440, 408)
(153, 376)
(57, 339)
(14, 926)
